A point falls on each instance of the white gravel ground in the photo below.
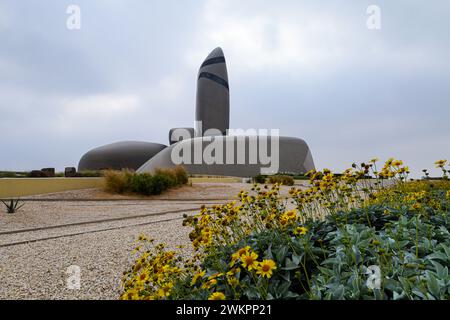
(38, 270)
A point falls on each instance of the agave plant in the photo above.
(12, 205)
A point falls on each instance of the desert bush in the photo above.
(300, 177)
(259, 179)
(181, 175)
(144, 183)
(117, 181)
(164, 182)
(281, 179)
(326, 244)
(168, 177)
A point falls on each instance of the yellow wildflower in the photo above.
(217, 296)
(249, 260)
(130, 295)
(265, 268)
(233, 272)
(215, 276)
(236, 256)
(209, 284)
(300, 230)
(283, 221)
(291, 214)
(165, 290)
(440, 163)
(233, 282)
(143, 276)
(397, 163)
(196, 276)
(416, 206)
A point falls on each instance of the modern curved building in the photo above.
(294, 156)
(119, 155)
(207, 149)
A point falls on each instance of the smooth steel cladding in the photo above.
(213, 95)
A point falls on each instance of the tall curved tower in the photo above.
(212, 109)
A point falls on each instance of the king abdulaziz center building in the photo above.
(207, 149)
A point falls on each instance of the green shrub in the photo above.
(167, 176)
(90, 173)
(259, 179)
(12, 174)
(300, 177)
(7, 174)
(176, 176)
(282, 179)
(163, 182)
(331, 260)
(142, 184)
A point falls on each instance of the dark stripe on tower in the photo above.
(214, 78)
(213, 61)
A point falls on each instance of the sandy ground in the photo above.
(95, 231)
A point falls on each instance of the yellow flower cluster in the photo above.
(226, 224)
(359, 186)
(394, 168)
(217, 296)
(440, 163)
(300, 230)
(152, 274)
(155, 271)
(288, 218)
(249, 260)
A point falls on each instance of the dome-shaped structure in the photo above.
(119, 155)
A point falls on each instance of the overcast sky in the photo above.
(313, 71)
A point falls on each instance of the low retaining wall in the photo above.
(11, 187)
(215, 179)
(19, 187)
